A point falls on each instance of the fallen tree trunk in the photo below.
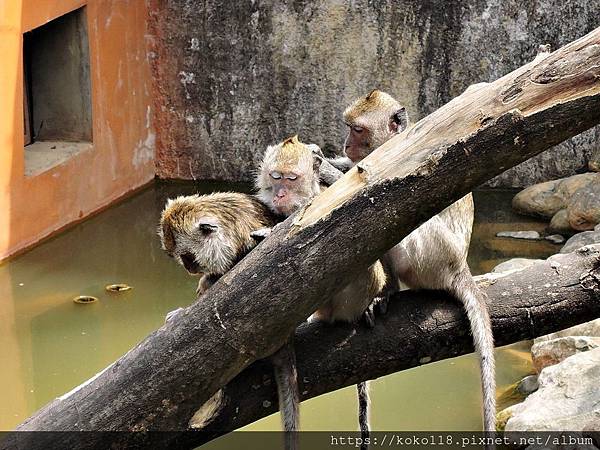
(420, 327)
(251, 311)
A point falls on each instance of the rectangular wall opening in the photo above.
(57, 92)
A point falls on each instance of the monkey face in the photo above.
(288, 176)
(189, 262)
(372, 120)
(205, 247)
(358, 142)
(286, 192)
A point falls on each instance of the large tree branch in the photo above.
(252, 310)
(420, 327)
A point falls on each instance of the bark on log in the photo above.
(420, 327)
(250, 312)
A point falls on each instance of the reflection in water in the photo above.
(49, 344)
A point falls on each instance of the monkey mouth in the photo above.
(189, 262)
(280, 209)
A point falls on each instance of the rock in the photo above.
(546, 199)
(583, 210)
(539, 200)
(528, 385)
(560, 223)
(579, 240)
(550, 352)
(567, 398)
(534, 235)
(597, 227)
(591, 328)
(555, 238)
(514, 264)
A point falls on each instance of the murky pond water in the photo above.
(49, 344)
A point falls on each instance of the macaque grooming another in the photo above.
(288, 179)
(434, 256)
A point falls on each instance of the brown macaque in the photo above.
(434, 256)
(208, 235)
(287, 180)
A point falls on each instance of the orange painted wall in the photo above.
(122, 158)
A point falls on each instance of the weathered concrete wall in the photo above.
(231, 77)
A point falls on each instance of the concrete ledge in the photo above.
(42, 156)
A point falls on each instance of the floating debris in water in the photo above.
(85, 299)
(118, 287)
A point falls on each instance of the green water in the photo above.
(49, 344)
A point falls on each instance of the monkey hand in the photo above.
(316, 150)
(382, 303)
(261, 234)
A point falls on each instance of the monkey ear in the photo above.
(399, 120)
(317, 160)
(207, 228)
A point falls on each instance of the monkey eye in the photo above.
(275, 175)
(357, 129)
(291, 176)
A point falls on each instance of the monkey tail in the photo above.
(363, 413)
(466, 290)
(286, 378)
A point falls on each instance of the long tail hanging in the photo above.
(473, 300)
(286, 378)
(363, 413)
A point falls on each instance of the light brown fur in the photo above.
(434, 256)
(349, 303)
(234, 216)
(374, 101)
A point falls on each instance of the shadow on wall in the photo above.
(235, 77)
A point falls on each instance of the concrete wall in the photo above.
(122, 155)
(235, 76)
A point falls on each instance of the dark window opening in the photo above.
(57, 91)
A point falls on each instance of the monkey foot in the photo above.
(369, 316)
(172, 314)
(382, 303)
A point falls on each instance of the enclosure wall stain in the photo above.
(279, 68)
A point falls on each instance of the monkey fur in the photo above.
(434, 256)
(288, 179)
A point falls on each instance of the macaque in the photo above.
(208, 235)
(288, 179)
(434, 256)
